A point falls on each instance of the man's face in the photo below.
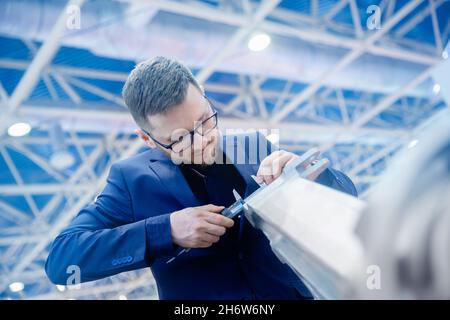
(177, 122)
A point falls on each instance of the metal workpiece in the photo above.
(311, 228)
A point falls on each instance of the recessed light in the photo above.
(60, 288)
(259, 42)
(436, 88)
(16, 286)
(413, 143)
(19, 129)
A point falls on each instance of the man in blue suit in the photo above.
(170, 197)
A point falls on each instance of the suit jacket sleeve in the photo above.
(104, 238)
(330, 177)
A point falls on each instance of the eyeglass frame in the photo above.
(190, 133)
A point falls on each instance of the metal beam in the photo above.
(265, 8)
(38, 160)
(240, 98)
(8, 241)
(418, 18)
(43, 188)
(388, 101)
(75, 97)
(374, 158)
(32, 140)
(346, 60)
(108, 96)
(64, 219)
(3, 96)
(356, 18)
(209, 13)
(146, 280)
(45, 75)
(60, 189)
(18, 178)
(43, 57)
(335, 9)
(436, 32)
(121, 120)
(12, 214)
(380, 107)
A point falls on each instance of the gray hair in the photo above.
(154, 86)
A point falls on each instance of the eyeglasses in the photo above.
(185, 141)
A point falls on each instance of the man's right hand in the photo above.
(198, 227)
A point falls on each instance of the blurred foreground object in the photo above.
(406, 228)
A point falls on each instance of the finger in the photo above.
(290, 161)
(219, 220)
(276, 172)
(265, 171)
(209, 238)
(264, 179)
(265, 168)
(259, 179)
(280, 163)
(215, 229)
(268, 179)
(203, 244)
(272, 166)
(213, 208)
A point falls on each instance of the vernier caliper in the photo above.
(309, 165)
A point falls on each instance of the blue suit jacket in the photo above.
(128, 227)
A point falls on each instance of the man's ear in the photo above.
(149, 142)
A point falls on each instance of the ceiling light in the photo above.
(61, 158)
(445, 55)
(16, 286)
(436, 88)
(259, 42)
(19, 129)
(413, 143)
(60, 288)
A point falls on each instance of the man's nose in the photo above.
(200, 142)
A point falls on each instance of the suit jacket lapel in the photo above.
(172, 178)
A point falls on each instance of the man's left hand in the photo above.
(272, 166)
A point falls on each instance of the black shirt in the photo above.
(214, 184)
